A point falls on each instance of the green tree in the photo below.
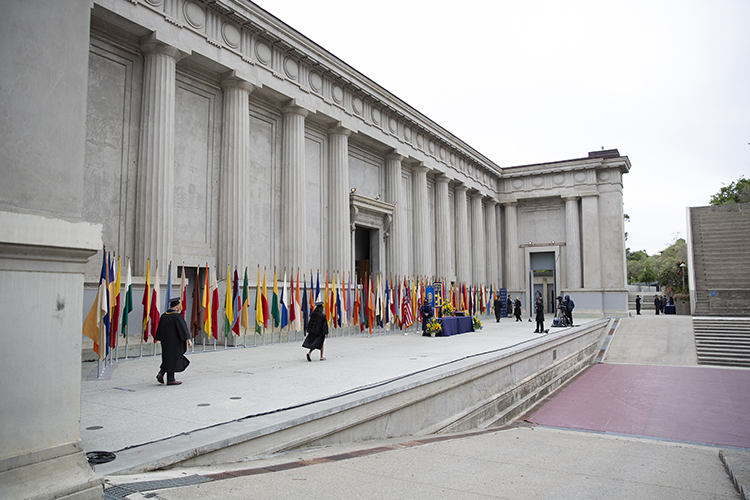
(736, 192)
(647, 275)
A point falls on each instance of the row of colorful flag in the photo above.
(378, 301)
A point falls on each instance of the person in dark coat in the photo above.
(426, 311)
(517, 309)
(638, 304)
(317, 331)
(498, 304)
(657, 304)
(539, 310)
(175, 338)
(510, 307)
(569, 306)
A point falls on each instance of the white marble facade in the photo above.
(216, 134)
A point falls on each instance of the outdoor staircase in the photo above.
(720, 257)
(722, 341)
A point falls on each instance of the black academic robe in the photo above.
(317, 329)
(498, 308)
(173, 334)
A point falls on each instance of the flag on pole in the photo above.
(195, 317)
(93, 324)
(264, 301)
(305, 309)
(338, 303)
(326, 305)
(275, 311)
(154, 311)
(146, 302)
(228, 309)
(317, 289)
(128, 306)
(207, 305)
(215, 306)
(236, 303)
(259, 318)
(168, 298)
(284, 310)
(297, 311)
(116, 314)
(344, 302)
(183, 291)
(245, 320)
(355, 306)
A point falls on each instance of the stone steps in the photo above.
(722, 342)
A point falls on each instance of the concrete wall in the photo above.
(43, 247)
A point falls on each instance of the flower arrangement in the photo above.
(476, 323)
(434, 327)
(447, 309)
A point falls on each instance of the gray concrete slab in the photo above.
(654, 340)
(508, 464)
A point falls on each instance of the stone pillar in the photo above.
(339, 237)
(592, 263)
(155, 182)
(234, 203)
(395, 245)
(493, 258)
(512, 260)
(293, 186)
(421, 242)
(572, 242)
(442, 228)
(463, 259)
(478, 250)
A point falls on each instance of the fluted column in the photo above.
(572, 242)
(493, 258)
(463, 259)
(591, 250)
(293, 186)
(339, 237)
(235, 183)
(155, 181)
(395, 245)
(479, 272)
(512, 260)
(442, 227)
(419, 192)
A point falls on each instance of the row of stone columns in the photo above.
(155, 190)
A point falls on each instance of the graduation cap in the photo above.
(174, 302)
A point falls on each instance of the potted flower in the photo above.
(475, 323)
(447, 309)
(434, 327)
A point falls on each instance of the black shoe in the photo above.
(160, 378)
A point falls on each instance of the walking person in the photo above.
(317, 331)
(539, 310)
(517, 309)
(657, 304)
(175, 338)
(509, 311)
(638, 305)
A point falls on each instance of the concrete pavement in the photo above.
(518, 462)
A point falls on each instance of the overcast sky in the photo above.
(665, 82)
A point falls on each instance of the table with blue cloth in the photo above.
(456, 325)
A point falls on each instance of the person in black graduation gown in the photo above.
(426, 311)
(317, 331)
(539, 310)
(498, 304)
(638, 304)
(517, 308)
(174, 336)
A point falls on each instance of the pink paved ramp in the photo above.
(694, 404)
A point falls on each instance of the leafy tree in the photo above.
(736, 192)
(647, 275)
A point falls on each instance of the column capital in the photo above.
(572, 197)
(490, 201)
(294, 109)
(395, 156)
(461, 187)
(442, 179)
(590, 194)
(509, 203)
(153, 47)
(337, 129)
(233, 82)
(477, 195)
(420, 168)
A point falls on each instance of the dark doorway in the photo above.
(362, 254)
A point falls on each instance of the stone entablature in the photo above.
(270, 54)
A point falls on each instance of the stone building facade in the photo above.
(217, 134)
